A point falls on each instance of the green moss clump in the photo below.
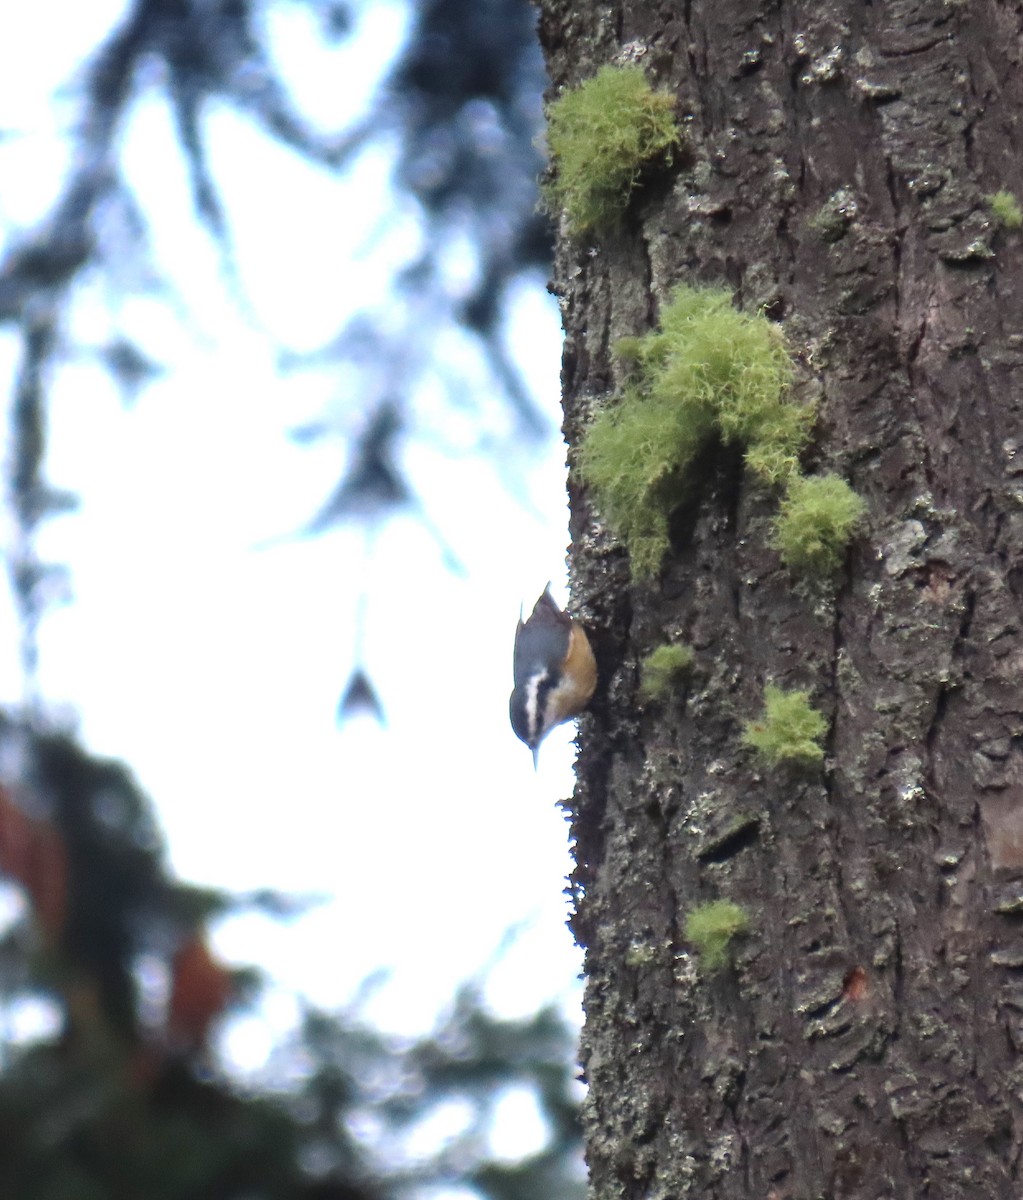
(1006, 208)
(831, 222)
(640, 955)
(662, 668)
(709, 370)
(600, 134)
(711, 927)
(790, 729)
(818, 517)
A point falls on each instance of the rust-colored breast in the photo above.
(579, 677)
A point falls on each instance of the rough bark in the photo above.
(866, 1042)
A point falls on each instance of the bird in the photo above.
(554, 670)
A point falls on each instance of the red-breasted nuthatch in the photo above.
(554, 669)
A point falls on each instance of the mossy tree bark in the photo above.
(866, 1038)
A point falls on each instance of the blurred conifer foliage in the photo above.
(122, 1098)
(462, 102)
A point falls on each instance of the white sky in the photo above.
(212, 666)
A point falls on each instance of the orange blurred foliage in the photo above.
(32, 853)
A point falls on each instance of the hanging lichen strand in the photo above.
(710, 372)
(600, 135)
(818, 516)
(712, 928)
(790, 730)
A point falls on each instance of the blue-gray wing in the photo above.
(542, 640)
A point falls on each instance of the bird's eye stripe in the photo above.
(537, 690)
(545, 685)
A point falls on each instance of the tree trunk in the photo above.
(866, 1038)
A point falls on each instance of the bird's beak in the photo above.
(536, 753)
